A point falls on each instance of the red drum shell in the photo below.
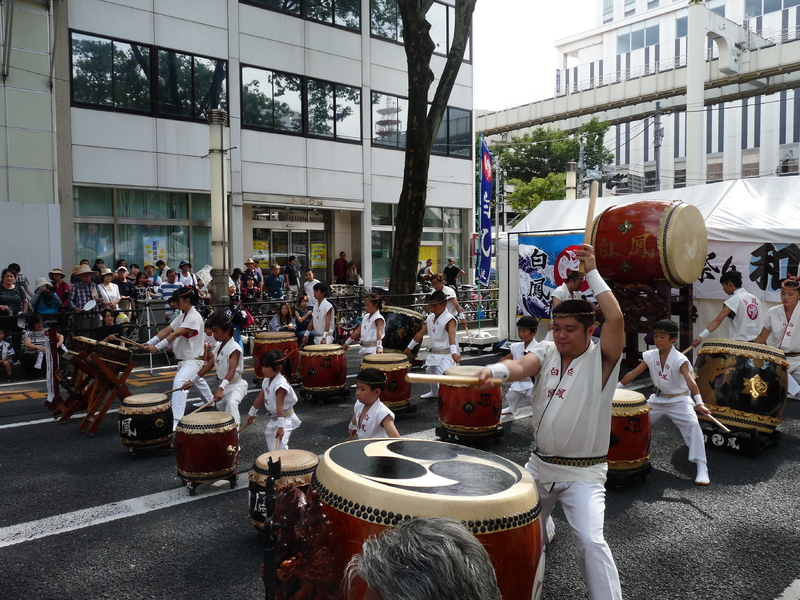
(630, 432)
(323, 368)
(206, 446)
(650, 240)
(464, 410)
(145, 421)
(397, 393)
(513, 539)
(276, 340)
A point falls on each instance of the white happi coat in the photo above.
(785, 334)
(518, 350)
(369, 332)
(439, 340)
(370, 426)
(748, 317)
(667, 378)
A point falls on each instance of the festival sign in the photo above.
(545, 261)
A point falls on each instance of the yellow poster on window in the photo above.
(432, 252)
(319, 256)
(261, 253)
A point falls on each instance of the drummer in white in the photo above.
(779, 331)
(323, 315)
(278, 399)
(371, 328)
(742, 308)
(520, 390)
(185, 333)
(443, 350)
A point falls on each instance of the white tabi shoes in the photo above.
(702, 474)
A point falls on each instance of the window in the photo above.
(608, 11)
(381, 214)
(638, 35)
(147, 204)
(188, 86)
(433, 217)
(452, 218)
(389, 116)
(714, 172)
(272, 100)
(454, 137)
(652, 4)
(93, 202)
(650, 181)
(334, 110)
(291, 7)
(344, 13)
(756, 8)
(385, 21)
(680, 178)
(95, 240)
(630, 7)
(681, 23)
(750, 170)
(201, 207)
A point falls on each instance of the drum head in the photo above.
(85, 340)
(206, 421)
(464, 371)
(402, 311)
(322, 349)
(628, 403)
(682, 243)
(746, 349)
(381, 361)
(276, 336)
(262, 335)
(292, 461)
(144, 399)
(628, 397)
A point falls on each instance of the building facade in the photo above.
(315, 92)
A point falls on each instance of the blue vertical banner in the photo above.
(483, 266)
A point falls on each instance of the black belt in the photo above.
(589, 461)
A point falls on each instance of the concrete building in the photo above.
(106, 135)
(754, 135)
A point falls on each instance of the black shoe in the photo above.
(10, 380)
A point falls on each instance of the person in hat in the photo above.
(60, 285)
(254, 271)
(107, 291)
(153, 278)
(451, 273)
(13, 302)
(185, 276)
(123, 282)
(74, 278)
(44, 300)
(80, 295)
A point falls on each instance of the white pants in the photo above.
(445, 362)
(584, 506)
(186, 370)
(233, 396)
(515, 398)
(272, 427)
(794, 384)
(682, 413)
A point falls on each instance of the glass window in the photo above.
(651, 35)
(149, 204)
(381, 257)
(93, 202)
(132, 239)
(637, 37)
(433, 217)
(381, 214)
(174, 83)
(91, 70)
(94, 240)
(348, 112)
(440, 141)
(452, 247)
(608, 11)
(347, 13)
(287, 6)
(624, 42)
(320, 10)
(201, 207)
(752, 8)
(788, 3)
(437, 17)
(385, 20)
(428, 236)
(681, 25)
(630, 7)
(389, 114)
(772, 6)
(201, 247)
(460, 133)
(320, 108)
(210, 92)
(271, 100)
(452, 218)
(132, 77)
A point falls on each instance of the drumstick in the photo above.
(689, 349)
(178, 389)
(587, 234)
(717, 423)
(206, 405)
(451, 379)
(130, 341)
(245, 426)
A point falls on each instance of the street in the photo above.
(83, 519)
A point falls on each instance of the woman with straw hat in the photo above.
(60, 285)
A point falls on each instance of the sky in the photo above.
(514, 53)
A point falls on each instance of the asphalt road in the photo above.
(82, 519)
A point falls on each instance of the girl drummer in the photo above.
(185, 333)
(371, 328)
(779, 331)
(278, 399)
(229, 362)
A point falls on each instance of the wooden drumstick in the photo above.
(245, 426)
(587, 234)
(130, 341)
(178, 389)
(206, 405)
(717, 423)
(689, 349)
(451, 379)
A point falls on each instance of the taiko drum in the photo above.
(645, 241)
(369, 485)
(297, 468)
(114, 353)
(145, 421)
(206, 446)
(629, 449)
(467, 411)
(402, 325)
(323, 368)
(284, 341)
(397, 393)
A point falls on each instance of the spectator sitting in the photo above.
(33, 358)
(303, 317)
(109, 331)
(22, 281)
(60, 286)
(274, 283)
(6, 356)
(282, 321)
(250, 294)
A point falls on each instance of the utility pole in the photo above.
(220, 249)
(658, 134)
(571, 180)
(581, 170)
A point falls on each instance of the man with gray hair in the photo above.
(431, 558)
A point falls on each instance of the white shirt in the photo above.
(785, 334)
(562, 293)
(571, 413)
(108, 294)
(209, 341)
(438, 336)
(319, 314)
(271, 387)
(190, 345)
(369, 332)
(222, 358)
(666, 378)
(308, 287)
(518, 350)
(451, 295)
(370, 426)
(190, 279)
(747, 320)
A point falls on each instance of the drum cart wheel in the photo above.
(192, 487)
(466, 439)
(232, 480)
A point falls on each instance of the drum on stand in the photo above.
(743, 384)
(118, 356)
(323, 370)
(649, 240)
(401, 327)
(467, 413)
(284, 341)
(629, 449)
(145, 422)
(83, 344)
(397, 393)
(366, 486)
(297, 468)
(206, 448)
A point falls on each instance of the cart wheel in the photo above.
(232, 481)
(191, 488)
(91, 435)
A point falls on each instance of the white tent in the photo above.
(756, 211)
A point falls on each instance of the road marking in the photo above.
(51, 420)
(792, 592)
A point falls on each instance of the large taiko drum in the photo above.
(466, 411)
(743, 384)
(397, 393)
(114, 354)
(284, 341)
(369, 485)
(401, 326)
(145, 421)
(649, 240)
(206, 447)
(83, 344)
(297, 467)
(323, 369)
(629, 450)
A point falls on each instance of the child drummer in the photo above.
(372, 419)
(674, 392)
(279, 399)
(371, 328)
(521, 390)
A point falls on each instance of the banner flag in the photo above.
(483, 266)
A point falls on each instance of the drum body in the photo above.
(297, 468)
(284, 341)
(323, 368)
(145, 421)
(401, 327)
(83, 344)
(206, 446)
(743, 384)
(397, 393)
(649, 240)
(114, 353)
(466, 411)
(629, 450)
(369, 485)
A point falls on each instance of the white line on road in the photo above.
(792, 592)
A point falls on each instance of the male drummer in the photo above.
(441, 329)
(779, 331)
(742, 308)
(572, 401)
